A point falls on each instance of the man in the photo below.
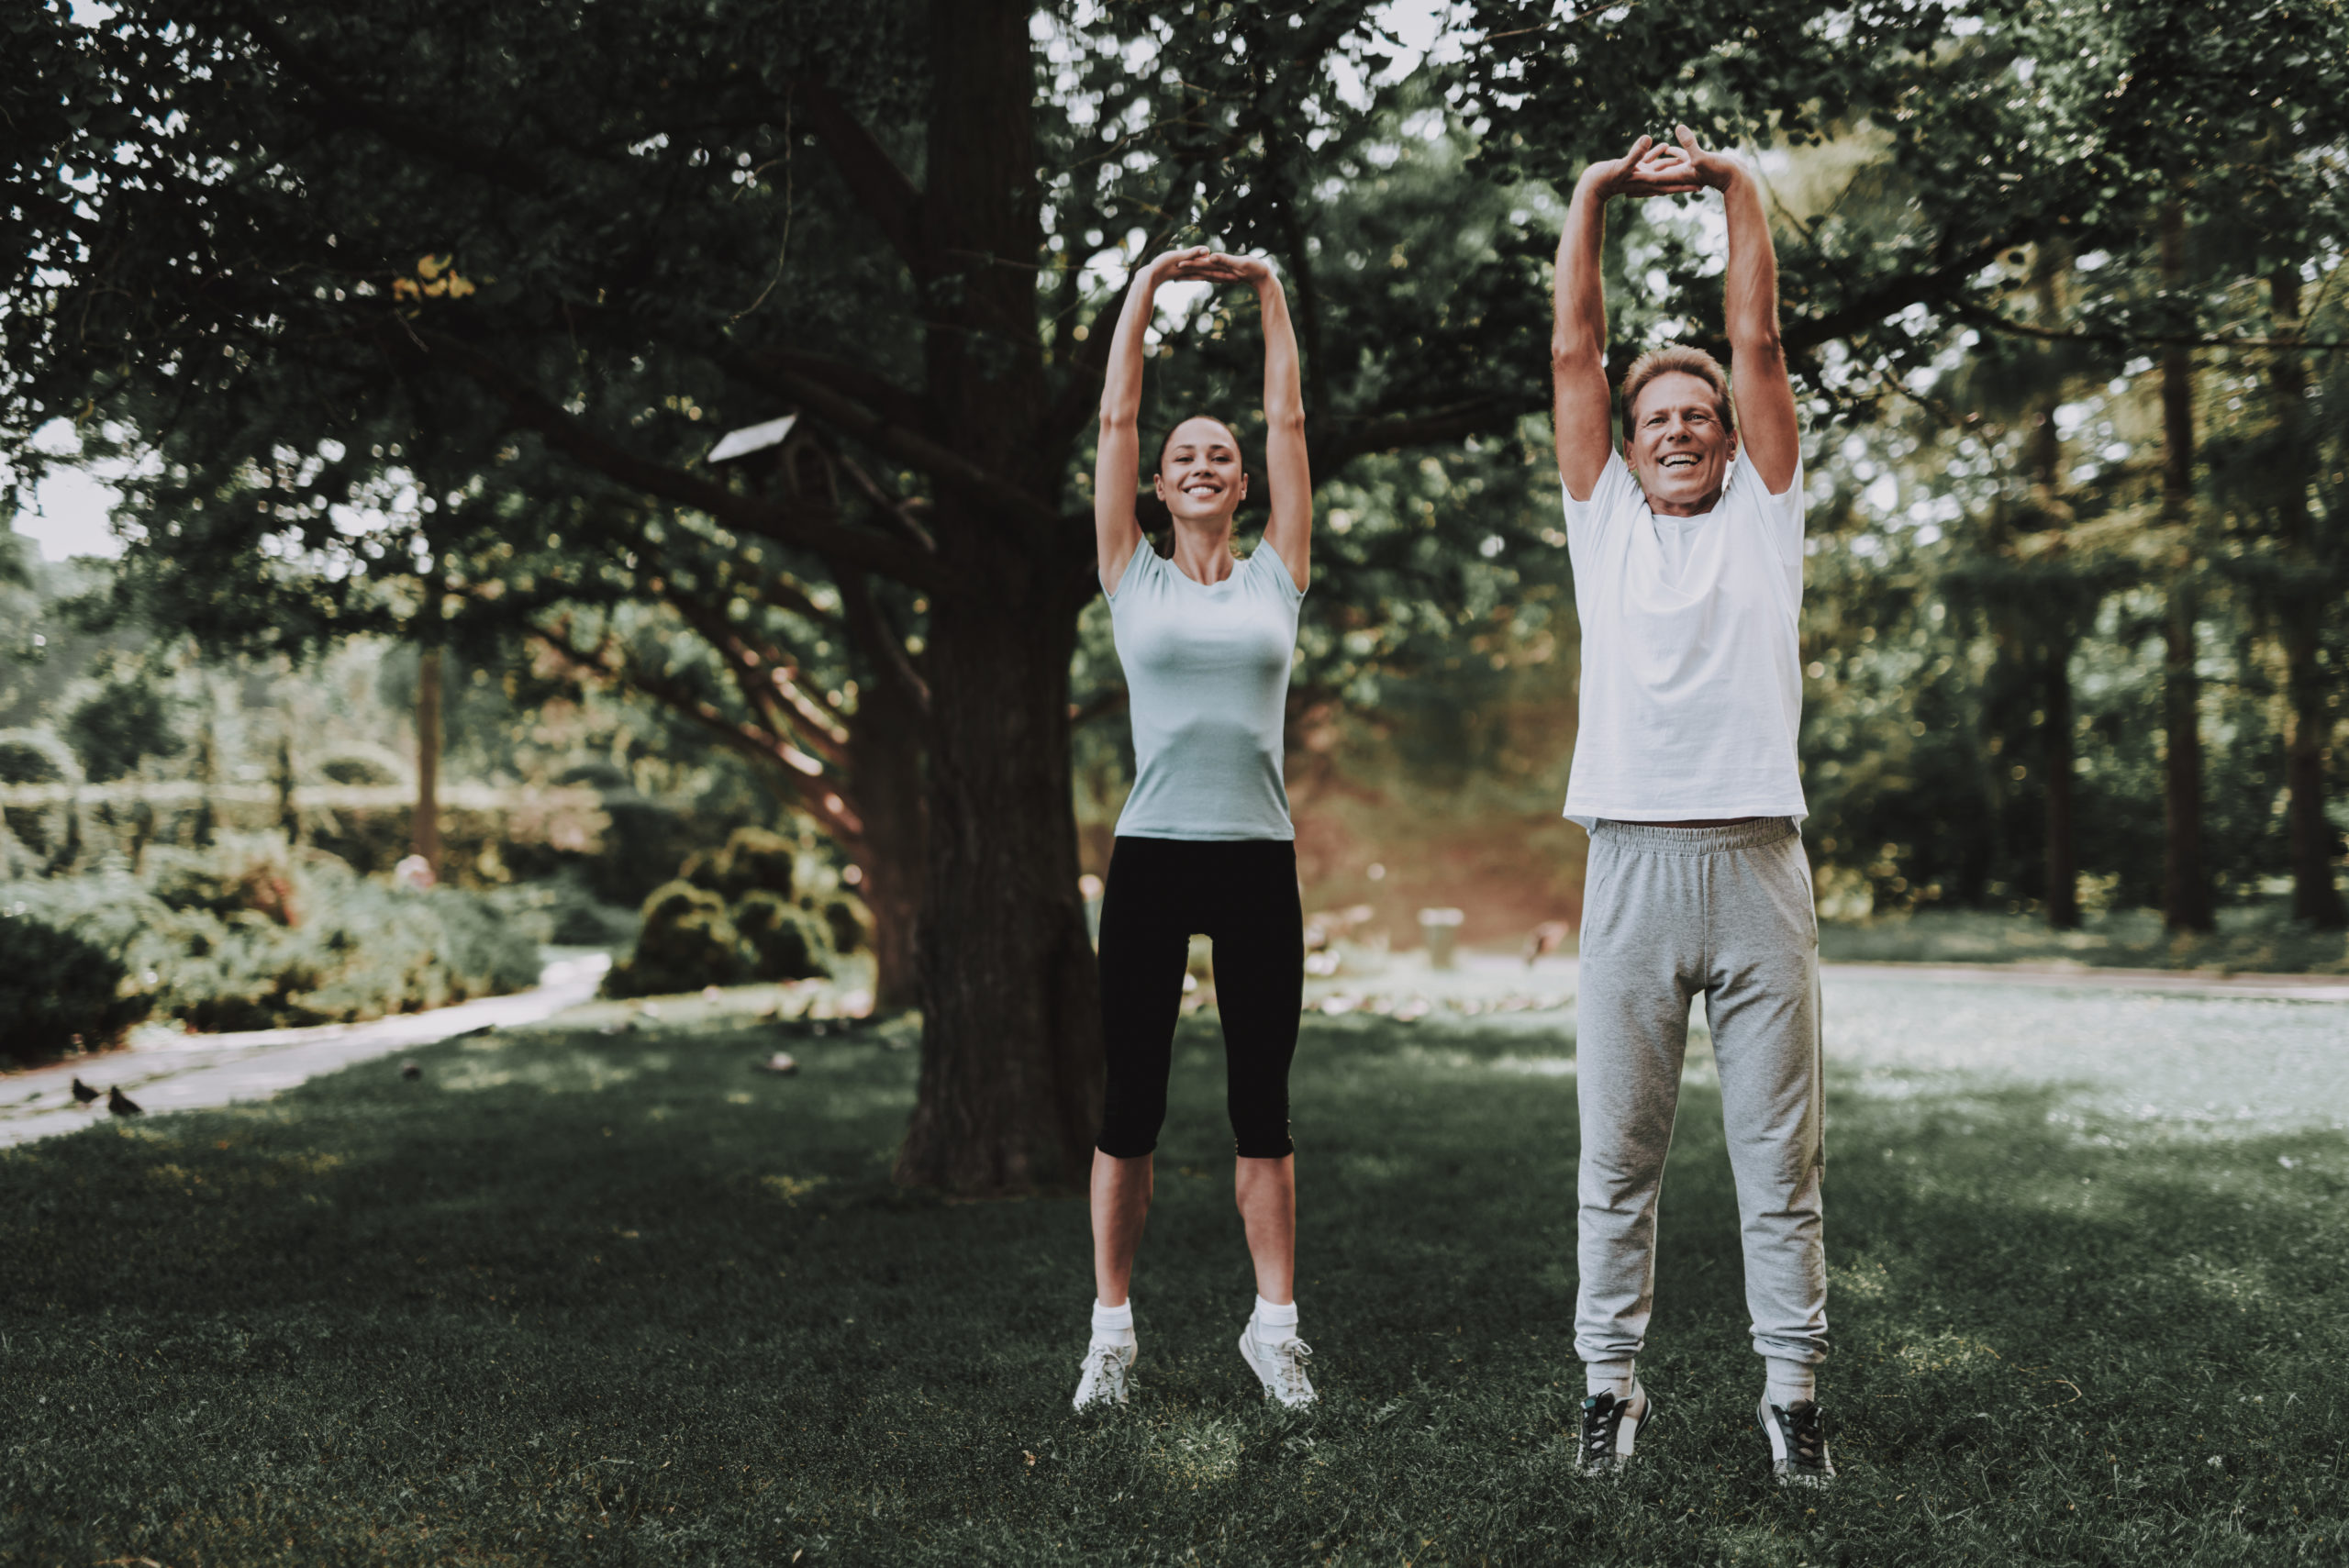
(1687, 560)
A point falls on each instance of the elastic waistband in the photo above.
(1646, 838)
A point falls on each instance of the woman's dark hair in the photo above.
(1187, 419)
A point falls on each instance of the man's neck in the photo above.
(1697, 508)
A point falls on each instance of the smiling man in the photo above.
(1687, 561)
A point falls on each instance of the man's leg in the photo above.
(1641, 951)
(1764, 1006)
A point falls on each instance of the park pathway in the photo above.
(195, 1072)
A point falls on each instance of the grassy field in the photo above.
(573, 1298)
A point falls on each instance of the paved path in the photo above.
(164, 1072)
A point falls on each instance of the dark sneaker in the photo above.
(1609, 1428)
(1798, 1436)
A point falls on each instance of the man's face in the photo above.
(1677, 445)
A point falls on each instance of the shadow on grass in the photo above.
(573, 1299)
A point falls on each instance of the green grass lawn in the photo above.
(585, 1299)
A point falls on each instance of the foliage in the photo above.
(662, 1300)
(727, 918)
(58, 991)
(248, 936)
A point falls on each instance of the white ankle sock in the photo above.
(1272, 1323)
(1788, 1381)
(1610, 1377)
(1114, 1324)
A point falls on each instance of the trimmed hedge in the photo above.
(246, 936)
(60, 992)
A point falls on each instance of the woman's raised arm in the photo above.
(1116, 467)
(1288, 467)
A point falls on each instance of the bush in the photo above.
(786, 941)
(60, 992)
(564, 910)
(121, 725)
(684, 943)
(691, 937)
(50, 834)
(246, 936)
(754, 860)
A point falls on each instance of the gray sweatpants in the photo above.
(1668, 912)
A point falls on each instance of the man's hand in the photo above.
(1715, 170)
(1648, 170)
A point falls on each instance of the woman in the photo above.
(1205, 842)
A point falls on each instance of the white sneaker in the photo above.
(1101, 1378)
(1280, 1366)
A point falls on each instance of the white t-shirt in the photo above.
(1206, 678)
(1691, 666)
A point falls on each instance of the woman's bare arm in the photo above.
(1117, 466)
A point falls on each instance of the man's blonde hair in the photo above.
(1687, 362)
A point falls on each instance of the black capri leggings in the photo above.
(1241, 893)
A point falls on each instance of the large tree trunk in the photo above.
(2185, 879)
(1011, 1057)
(2301, 616)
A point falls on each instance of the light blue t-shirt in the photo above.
(1206, 678)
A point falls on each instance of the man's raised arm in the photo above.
(1578, 338)
(1757, 367)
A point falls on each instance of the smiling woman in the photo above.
(1205, 844)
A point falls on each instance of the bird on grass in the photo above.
(781, 1062)
(83, 1092)
(121, 1104)
(411, 1070)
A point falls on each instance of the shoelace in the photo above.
(1103, 1365)
(1807, 1434)
(1288, 1363)
(1600, 1417)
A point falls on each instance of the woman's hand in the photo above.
(1222, 268)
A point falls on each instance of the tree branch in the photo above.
(526, 407)
(1332, 448)
(870, 631)
(1983, 316)
(822, 799)
(879, 186)
(994, 494)
(883, 397)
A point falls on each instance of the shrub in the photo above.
(50, 834)
(786, 941)
(754, 860)
(685, 942)
(564, 910)
(58, 993)
(849, 923)
(122, 723)
(246, 936)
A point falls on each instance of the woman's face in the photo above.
(1199, 478)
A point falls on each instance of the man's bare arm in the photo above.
(1578, 338)
(1757, 373)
